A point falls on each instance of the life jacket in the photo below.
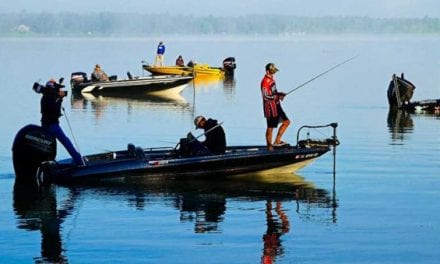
(270, 97)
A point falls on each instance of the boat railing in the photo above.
(326, 142)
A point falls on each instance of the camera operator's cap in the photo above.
(197, 120)
(271, 68)
(53, 84)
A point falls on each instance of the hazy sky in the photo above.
(372, 8)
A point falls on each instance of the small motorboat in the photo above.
(196, 69)
(150, 84)
(423, 106)
(33, 157)
(400, 92)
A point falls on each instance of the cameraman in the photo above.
(51, 112)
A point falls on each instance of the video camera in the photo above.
(50, 87)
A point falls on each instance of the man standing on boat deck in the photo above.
(215, 135)
(159, 54)
(273, 111)
(50, 113)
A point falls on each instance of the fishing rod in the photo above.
(319, 75)
(209, 130)
(192, 139)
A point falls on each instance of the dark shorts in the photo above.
(272, 122)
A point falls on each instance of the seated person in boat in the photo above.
(215, 140)
(179, 61)
(98, 75)
(191, 63)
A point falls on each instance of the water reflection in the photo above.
(228, 83)
(199, 201)
(100, 103)
(207, 80)
(204, 202)
(229, 86)
(37, 210)
(277, 224)
(400, 124)
(206, 210)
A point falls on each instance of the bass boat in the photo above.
(194, 69)
(33, 156)
(150, 84)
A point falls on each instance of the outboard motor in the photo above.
(229, 66)
(32, 145)
(77, 78)
(400, 91)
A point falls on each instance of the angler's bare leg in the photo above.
(281, 131)
(269, 131)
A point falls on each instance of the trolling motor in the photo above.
(308, 143)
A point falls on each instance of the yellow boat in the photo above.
(196, 70)
(168, 70)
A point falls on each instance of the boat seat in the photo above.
(190, 146)
(131, 150)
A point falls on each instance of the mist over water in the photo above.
(382, 207)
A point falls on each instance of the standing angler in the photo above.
(273, 111)
(159, 54)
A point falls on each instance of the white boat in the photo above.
(150, 84)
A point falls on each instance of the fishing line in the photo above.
(319, 75)
(71, 131)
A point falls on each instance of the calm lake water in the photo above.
(382, 206)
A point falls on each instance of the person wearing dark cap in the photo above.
(50, 113)
(273, 111)
(159, 54)
(215, 140)
(179, 61)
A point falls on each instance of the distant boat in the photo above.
(34, 151)
(196, 69)
(400, 92)
(150, 84)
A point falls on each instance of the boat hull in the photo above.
(168, 70)
(197, 70)
(165, 163)
(151, 85)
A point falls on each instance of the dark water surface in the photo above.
(382, 207)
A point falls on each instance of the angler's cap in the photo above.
(271, 68)
(197, 120)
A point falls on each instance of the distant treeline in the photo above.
(124, 24)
